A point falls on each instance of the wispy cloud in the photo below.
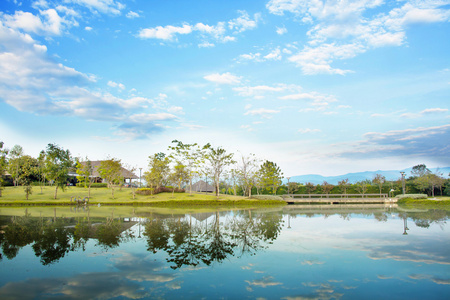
(225, 78)
(343, 29)
(222, 32)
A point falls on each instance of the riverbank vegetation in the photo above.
(185, 168)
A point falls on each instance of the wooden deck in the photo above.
(338, 198)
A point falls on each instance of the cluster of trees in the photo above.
(186, 162)
(422, 180)
(52, 165)
(181, 166)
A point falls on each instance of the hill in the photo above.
(355, 177)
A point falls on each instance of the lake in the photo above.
(294, 252)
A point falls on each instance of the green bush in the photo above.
(267, 197)
(145, 191)
(413, 196)
(154, 191)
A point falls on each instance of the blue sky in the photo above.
(324, 87)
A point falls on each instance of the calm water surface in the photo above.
(317, 252)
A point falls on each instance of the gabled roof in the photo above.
(96, 164)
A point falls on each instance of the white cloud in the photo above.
(113, 84)
(343, 29)
(434, 110)
(176, 110)
(31, 81)
(251, 56)
(164, 33)
(88, 28)
(317, 60)
(217, 32)
(145, 118)
(274, 55)
(243, 22)
(281, 30)
(103, 6)
(206, 45)
(132, 15)
(308, 130)
(259, 91)
(263, 112)
(225, 78)
(50, 23)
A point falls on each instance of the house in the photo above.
(201, 186)
(126, 174)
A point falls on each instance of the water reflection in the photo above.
(320, 252)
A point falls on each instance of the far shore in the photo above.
(15, 196)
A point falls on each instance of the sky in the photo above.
(316, 86)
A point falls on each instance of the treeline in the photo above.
(184, 164)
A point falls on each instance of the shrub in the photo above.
(144, 191)
(413, 196)
(267, 197)
(161, 189)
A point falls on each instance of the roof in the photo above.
(201, 186)
(96, 164)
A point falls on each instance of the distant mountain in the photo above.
(354, 177)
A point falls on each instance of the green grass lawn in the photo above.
(15, 196)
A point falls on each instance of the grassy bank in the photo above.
(15, 196)
(436, 202)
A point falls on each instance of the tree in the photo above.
(248, 169)
(310, 187)
(111, 171)
(180, 174)
(85, 170)
(218, 160)
(362, 186)
(58, 162)
(379, 180)
(158, 170)
(326, 187)
(271, 175)
(3, 164)
(27, 171)
(13, 165)
(188, 154)
(343, 185)
(420, 170)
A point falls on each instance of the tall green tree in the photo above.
(271, 175)
(111, 171)
(248, 170)
(159, 170)
(27, 172)
(327, 187)
(343, 185)
(58, 163)
(218, 160)
(379, 181)
(13, 165)
(310, 187)
(421, 177)
(189, 155)
(180, 174)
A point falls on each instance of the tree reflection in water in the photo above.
(188, 240)
(191, 244)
